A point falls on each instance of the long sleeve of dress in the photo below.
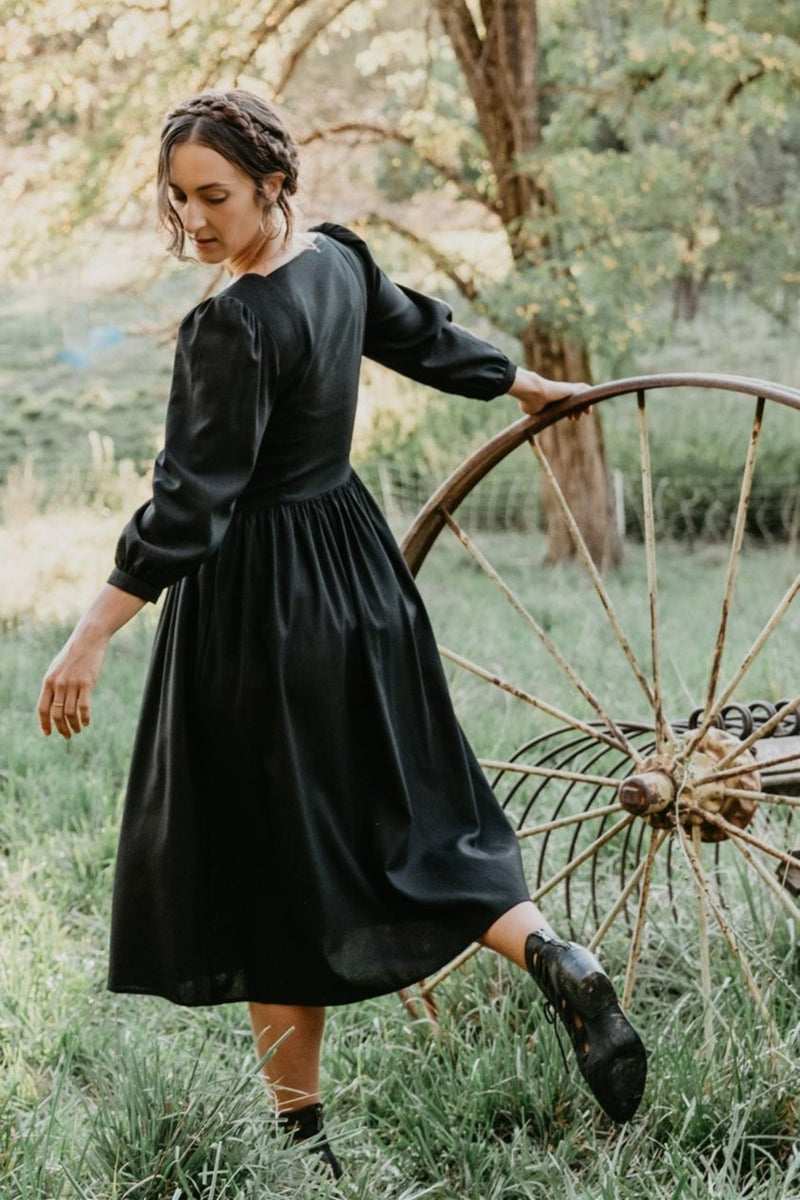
(218, 409)
(414, 334)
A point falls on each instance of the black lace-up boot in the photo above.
(306, 1125)
(610, 1054)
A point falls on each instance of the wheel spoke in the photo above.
(761, 797)
(745, 665)
(521, 694)
(641, 917)
(742, 835)
(705, 957)
(543, 637)
(588, 562)
(736, 546)
(440, 976)
(706, 893)
(657, 835)
(715, 776)
(564, 822)
(548, 772)
(664, 736)
(769, 879)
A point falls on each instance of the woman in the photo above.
(305, 823)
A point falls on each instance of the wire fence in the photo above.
(687, 509)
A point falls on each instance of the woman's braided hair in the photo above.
(245, 131)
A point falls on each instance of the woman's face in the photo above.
(216, 203)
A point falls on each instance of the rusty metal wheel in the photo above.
(669, 802)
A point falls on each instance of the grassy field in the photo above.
(104, 1097)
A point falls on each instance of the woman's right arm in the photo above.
(218, 409)
(65, 698)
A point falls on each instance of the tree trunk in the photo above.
(687, 290)
(576, 453)
(500, 63)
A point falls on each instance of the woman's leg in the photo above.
(292, 1072)
(610, 1053)
(510, 932)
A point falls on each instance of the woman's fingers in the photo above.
(84, 705)
(65, 706)
(65, 698)
(44, 707)
(70, 710)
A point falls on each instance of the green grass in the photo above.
(108, 1097)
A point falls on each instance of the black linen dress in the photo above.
(304, 822)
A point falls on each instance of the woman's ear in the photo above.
(271, 187)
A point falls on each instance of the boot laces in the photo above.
(551, 1016)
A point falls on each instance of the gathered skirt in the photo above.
(305, 822)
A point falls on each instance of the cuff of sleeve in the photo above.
(509, 375)
(127, 583)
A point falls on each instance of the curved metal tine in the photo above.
(633, 879)
(564, 822)
(705, 958)
(727, 933)
(549, 645)
(595, 753)
(548, 736)
(576, 746)
(630, 836)
(554, 737)
(588, 804)
(664, 735)
(564, 797)
(549, 772)
(761, 732)
(641, 916)
(521, 694)
(736, 546)
(745, 665)
(554, 880)
(540, 790)
(743, 835)
(716, 776)
(586, 559)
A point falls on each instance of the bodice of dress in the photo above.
(264, 391)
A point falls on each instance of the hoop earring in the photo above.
(266, 225)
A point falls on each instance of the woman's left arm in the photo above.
(65, 698)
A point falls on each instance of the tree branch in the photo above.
(266, 28)
(387, 133)
(736, 88)
(460, 28)
(309, 35)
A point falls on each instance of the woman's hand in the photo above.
(534, 392)
(65, 698)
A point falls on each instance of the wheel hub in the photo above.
(672, 789)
